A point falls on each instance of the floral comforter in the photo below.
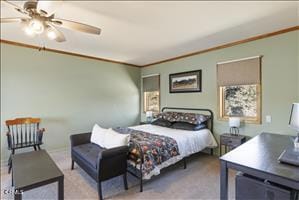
(156, 149)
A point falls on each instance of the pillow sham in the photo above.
(188, 126)
(162, 122)
(192, 118)
(166, 115)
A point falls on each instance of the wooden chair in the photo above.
(23, 133)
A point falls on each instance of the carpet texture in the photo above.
(199, 181)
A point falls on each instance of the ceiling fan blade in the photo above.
(59, 35)
(15, 7)
(48, 6)
(12, 19)
(76, 26)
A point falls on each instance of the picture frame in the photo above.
(183, 82)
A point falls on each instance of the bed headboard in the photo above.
(199, 110)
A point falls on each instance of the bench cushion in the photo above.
(88, 152)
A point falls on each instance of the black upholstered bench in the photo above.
(99, 163)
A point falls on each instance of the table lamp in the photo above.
(149, 116)
(294, 122)
(234, 124)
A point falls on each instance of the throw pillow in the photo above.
(98, 135)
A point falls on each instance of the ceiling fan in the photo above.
(37, 21)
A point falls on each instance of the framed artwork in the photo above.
(240, 101)
(185, 82)
(151, 101)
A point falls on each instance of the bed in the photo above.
(172, 145)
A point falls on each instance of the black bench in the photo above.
(99, 163)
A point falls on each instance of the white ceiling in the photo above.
(140, 32)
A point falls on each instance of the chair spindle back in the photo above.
(23, 131)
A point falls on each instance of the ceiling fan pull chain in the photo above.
(42, 44)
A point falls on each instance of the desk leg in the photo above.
(220, 146)
(60, 189)
(223, 181)
(18, 195)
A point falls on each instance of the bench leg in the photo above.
(34, 148)
(38, 146)
(125, 181)
(73, 163)
(185, 163)
(100, 190)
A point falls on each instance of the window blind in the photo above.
(240, 72)
(151, 83)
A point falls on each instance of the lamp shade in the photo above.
(149, 114)
(294, 118)
(234, 122)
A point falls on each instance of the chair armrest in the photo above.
(108, 153)
(78, 139)
(40, 133)
(112, 162)
(41, 130)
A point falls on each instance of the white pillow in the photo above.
(98, 135)
(114, 139)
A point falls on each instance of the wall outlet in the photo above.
(268, 119)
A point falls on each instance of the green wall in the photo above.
(279, 80)
(298, 66)
(68, 93)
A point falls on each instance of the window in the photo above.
(151, 93)
(239, 86)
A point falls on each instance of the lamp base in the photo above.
(149, 119)
(234, 130)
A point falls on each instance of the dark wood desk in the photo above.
(258, 157)
(34, 169)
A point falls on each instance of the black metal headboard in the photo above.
(211, 114)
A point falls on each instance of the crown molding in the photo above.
(258, 37)
(64, 52)
(250, 39)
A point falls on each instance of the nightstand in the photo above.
(231, 141)
(142, 123)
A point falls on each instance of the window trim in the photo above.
(250, 120)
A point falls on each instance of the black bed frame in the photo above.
(138, 172)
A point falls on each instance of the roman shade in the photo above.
(239, 72)
(151, 83)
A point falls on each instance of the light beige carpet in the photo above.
(199, 181)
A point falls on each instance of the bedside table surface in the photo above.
(233, 136)
(232, 141)
(143, 122)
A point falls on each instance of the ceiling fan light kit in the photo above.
(38, 21)
(51, 34)
(36, 26)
